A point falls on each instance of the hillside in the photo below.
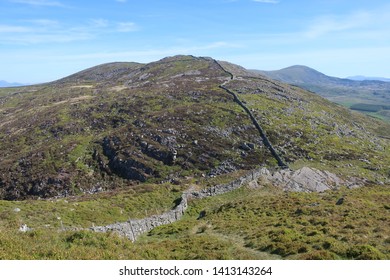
(368, 96)
(133, 140)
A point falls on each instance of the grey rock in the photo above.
(24, 228)
(340, 201)
(245, 147)
(304, 180)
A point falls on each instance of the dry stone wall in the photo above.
(303, 180)
(262, 133)
(134, 228)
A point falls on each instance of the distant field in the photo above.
(375, 109)
(369, 107)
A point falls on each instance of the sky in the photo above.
(44, 40)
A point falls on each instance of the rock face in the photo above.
(127, 168)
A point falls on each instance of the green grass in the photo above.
(263, 223)
(88, 210)
(294, 225)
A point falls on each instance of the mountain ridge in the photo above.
(301, 74)
(128, 123)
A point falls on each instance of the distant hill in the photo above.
(354, 94)
(364, 78)
(7, 84)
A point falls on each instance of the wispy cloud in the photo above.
(39, 3)
(13, 29)
(99, 23)
(38, 31)
(147, 55)
(330, 24)
(126, 27)
(267, 1)
(47, 23)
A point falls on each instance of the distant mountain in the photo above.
(299, 74)
(364, 78)
(7, 84)
(354, 94)
(306, 76)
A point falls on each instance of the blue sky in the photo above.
(43, 40)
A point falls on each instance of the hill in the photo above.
(369, 96)
(7, 84)
(131, 140)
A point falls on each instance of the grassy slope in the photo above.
(246, 224)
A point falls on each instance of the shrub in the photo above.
(364, 252)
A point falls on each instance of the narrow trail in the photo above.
(237, 241)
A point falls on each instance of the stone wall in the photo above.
(262, 133)
(264, 137)
(303, 180)
(134, 228)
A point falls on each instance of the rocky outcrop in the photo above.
(303, 180)
(166, 156)
(127, 168)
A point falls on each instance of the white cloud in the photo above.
(121, 1)
(126, 27)
(146, 55)
(39, 3)
(13, 29)
(267, 1)
(99, 23)
(48, 23)
(330, 24)
(39, 31)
